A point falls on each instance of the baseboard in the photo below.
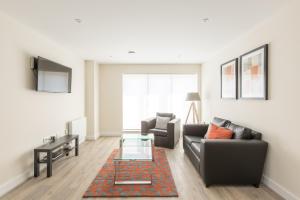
(90, 137)
(81, 140)
(19, 179)
(97, 135)
(283, 192)
(110, 133)
(14, 182)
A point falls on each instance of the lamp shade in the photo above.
(192, 96)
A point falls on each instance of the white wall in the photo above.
(111, 90)
(278, 117)
(26, 116)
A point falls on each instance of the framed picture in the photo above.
(229, 80)
(254, 74)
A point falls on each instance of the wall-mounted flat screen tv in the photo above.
(52, 77)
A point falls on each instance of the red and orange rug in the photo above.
(162, 185)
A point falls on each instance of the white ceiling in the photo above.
(160, 31)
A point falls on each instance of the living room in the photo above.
(149, 99)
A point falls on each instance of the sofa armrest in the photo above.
(173, 129)
(195, 129)
(234, 160)
(148, 124)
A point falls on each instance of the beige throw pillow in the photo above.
(162, 122)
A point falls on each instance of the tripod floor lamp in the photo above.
(193, 97)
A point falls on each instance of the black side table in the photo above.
(49, 149)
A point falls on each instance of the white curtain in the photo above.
(146, 94)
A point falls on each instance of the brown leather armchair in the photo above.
(163, 138)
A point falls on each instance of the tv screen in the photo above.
(52, 77)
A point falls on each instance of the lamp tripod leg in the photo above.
(193, 112)
(196, 112)
(187, 117)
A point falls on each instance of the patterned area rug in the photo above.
(162, 180)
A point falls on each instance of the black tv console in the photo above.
(54, 151)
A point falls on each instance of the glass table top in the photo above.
(136, 147)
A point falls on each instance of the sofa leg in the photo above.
(256, 185)
(207, 185)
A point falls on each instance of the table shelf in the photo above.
(58, 156)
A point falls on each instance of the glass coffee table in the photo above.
(134, 149)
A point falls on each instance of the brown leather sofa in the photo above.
(239, 160)
(163, 138)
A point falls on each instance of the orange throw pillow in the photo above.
(215, 132)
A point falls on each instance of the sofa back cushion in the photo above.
(170, 115)
(220, 122)
(240, 132)
(215, 132)
(256, 135)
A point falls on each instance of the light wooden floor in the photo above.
(72, 176)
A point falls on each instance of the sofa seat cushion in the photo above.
(159, 132)
(189, 139)
(196, 148)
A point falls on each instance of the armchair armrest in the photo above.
(173, 129)
(148, 124)
(174, 122)
(232, 161)
(195, 129)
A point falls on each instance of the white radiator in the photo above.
(78, 126)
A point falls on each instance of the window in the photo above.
(146, 94)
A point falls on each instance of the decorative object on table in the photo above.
(163, 186)
(67, 132)
(49, 139)
(254, 74)
(167, 138)
(67, 148)
(52, 138)
(229, 74)
(193, 97)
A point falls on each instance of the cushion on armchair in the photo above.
(162, 122)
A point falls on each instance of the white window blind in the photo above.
(146, 94)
